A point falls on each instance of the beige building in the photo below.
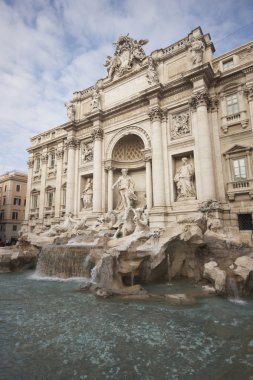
(13, 187)
(180, 120)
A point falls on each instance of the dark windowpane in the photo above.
(245, 222)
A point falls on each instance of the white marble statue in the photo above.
(196, 48)
(95, 102)
(70, 111)
(87, 194)
(126, 189)
(184, 181)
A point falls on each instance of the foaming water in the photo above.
(50, 330)
(237, 301)
(38, 277)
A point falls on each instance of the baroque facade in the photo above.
(13, 188)
(179, 120)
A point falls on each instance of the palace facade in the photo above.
(179, 120)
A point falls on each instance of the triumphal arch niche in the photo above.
(128, 153)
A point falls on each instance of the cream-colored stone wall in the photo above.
(175, 101)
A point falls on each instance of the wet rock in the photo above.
(244, 265)
(14, 260)
(216, 275)
(103, 293)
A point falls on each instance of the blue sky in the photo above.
(51, 48)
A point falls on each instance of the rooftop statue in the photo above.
(128, 53)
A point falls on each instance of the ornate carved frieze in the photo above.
(86, 152)
(180, 126)
(152, 76)
(157, 113)
(200, 98)
(30, 163)
(128, 53)
(97, 134)
(60, 154)
(44, 158)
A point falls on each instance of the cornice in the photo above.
(204, 72)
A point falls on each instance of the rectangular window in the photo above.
(50, 198)
(24, 202)
(232, 104)
(18, 187)
(14, 227)
(4, 201)
(37, 164)
(239, 169)
(14, 215)
(34, 201)
(245, 222)
(5, 188)
(64, 197)
(228, 63)
(17, 201)
(52, 160)
(1, 215)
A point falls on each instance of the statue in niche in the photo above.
(87, 153)
(95, 102)
(70, 111)
(180, 125)
(126, 189)
(196, 48)
(87, 194)
(184, 181)
(152, 76)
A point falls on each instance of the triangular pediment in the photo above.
(238, 148)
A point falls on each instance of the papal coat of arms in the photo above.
(128, 53)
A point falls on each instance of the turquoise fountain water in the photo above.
(50, 330)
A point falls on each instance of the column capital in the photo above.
(72, 142)
(97, 133)
(157, 113)
(248, 92)
(200, 98)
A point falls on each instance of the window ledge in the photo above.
(231, 120)
(240, 187)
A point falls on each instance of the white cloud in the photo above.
(51, 48)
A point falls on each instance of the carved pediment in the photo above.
(128, 53)
(237, 149)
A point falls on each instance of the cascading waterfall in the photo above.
(64, 261)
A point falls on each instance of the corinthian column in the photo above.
(249, 94)
(44, 160)
(30, 164)
(97, 169)
(200, 100)
(71, 190)
(110, 191)
(156, 115)
(57, 202)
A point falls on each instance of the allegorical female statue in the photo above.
(184, 181)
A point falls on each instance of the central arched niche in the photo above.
(128, 154)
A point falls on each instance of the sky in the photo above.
(52, 48)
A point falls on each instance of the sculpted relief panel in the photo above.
(180, 126)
